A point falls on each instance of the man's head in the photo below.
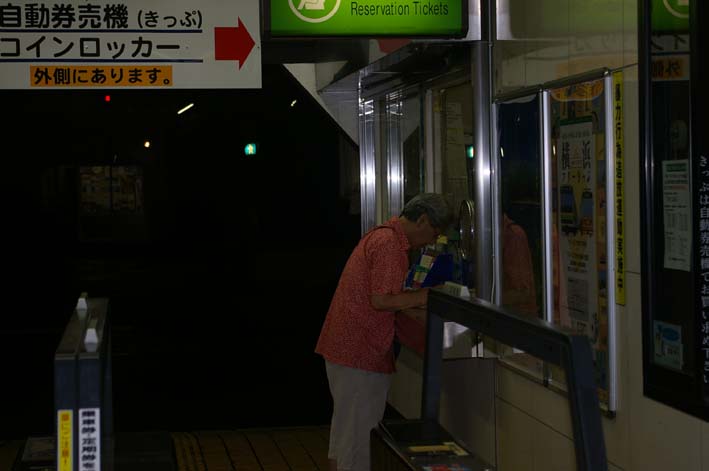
(425, 217)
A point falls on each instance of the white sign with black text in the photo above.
(90, 439)
(129, 43)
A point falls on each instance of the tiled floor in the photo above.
(8, 453)
(254, 449)
(279, 449)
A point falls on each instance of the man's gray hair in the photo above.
(433, 205)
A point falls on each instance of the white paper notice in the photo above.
(90, 439)
(676, 213)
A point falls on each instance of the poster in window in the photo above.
(579, 219)
(95, 189)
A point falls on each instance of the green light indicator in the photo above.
(250, 149)
(470, 151)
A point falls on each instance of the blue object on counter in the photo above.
(440, 272)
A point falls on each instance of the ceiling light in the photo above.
(185, 108)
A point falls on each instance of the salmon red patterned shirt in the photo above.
(354, 333)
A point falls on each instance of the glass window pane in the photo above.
(521, 204)
(453, 162)
(402, 172)
(520, 162)
(452, 134)
(672, 323)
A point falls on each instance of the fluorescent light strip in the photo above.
(185, 108)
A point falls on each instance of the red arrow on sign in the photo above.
(232, 44)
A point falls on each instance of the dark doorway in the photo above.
(219, 266)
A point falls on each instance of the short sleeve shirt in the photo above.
(354, 333)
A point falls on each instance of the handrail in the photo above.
(539, 338)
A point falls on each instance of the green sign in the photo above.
(373, 18)
(250, 149)
(670, 16)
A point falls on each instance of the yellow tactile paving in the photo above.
(240, 452)
(188, 453)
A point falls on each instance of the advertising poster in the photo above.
(95, 189)
(111, 202)
(577, 237)
(127, 189)
(106, 189)
(580, 221)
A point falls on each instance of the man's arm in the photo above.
(397, 302)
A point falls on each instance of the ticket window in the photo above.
(451, 169)
(424, 144)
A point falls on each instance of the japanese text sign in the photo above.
(144, 44)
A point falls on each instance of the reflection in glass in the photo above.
(520, 191)
(519, 161)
